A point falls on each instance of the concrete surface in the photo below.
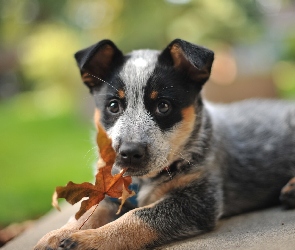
(271, 229)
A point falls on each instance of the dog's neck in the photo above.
(196, 148)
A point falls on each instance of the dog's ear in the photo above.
(193, 60)
(96, 62)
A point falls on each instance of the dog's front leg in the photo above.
(103, 214)
(178, 214)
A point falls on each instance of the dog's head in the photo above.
(147, 100)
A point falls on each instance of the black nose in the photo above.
(132, 152)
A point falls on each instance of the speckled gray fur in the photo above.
(254, 146)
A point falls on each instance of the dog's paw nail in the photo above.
(67, 244)
(62, 243)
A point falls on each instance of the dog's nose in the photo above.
(132, 152)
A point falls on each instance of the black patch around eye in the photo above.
(172, 87)
(109, 98)
(112, 110)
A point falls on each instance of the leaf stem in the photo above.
(88, 217)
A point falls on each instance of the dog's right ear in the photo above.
(97, 61)
(191, 59)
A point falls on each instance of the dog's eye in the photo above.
(163, 107)
(114, 106)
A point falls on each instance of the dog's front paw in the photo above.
(83, 240)
(52, 240)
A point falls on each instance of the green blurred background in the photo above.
(45, 111)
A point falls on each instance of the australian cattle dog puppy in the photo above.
(193, 161)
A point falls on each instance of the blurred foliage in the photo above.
(284, 78)
(44, 34)
(153, 24)
(36, 156)
(41, 90)
(284, 71)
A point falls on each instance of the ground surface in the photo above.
(271, 229)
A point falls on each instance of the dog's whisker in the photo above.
(91, 160)
(165, 162)
(184, 158)
(176, 153)
(103, 81)
(170, 175)
(93, 157)
(91, 149)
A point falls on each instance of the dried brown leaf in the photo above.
(105, 183)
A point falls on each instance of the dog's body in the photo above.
(194, 161)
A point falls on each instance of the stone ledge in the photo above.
(271, 229)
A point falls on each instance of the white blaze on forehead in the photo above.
(139, 67)
(135, 74)
(140, 62)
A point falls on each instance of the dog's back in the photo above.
(254, 145)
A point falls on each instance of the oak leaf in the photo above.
(115, 186)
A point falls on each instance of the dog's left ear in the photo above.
(97, 61)
(193, 60)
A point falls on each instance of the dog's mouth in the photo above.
(131, 171)
(134, 171)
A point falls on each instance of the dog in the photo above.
(194, 161)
